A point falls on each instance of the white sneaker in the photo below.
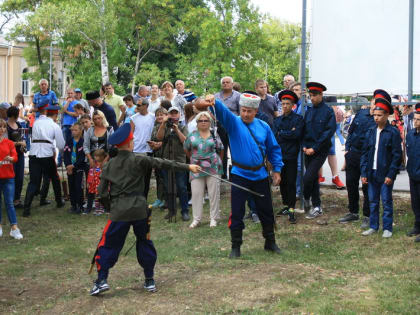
(1, 231)
(387, 234)
(194, 224)
(16, 234)
(369, 232)
(213, 223)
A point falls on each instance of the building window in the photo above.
(25, 83)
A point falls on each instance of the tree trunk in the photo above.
(104, 62)
(38, 54)
(136, 68)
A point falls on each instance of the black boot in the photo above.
(26, 212)
(236, 236)
(270, 239)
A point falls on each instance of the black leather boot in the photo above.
(236, 236)
(270, 239)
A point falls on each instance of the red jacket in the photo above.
(7, 147)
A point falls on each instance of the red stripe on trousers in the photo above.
(102, 243)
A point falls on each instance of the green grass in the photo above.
(324, 269)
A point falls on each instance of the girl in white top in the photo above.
(20, 103)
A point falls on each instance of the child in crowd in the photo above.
(80, 110)
(130, 109)
(156, 146)
(86, 121)
(93, 182)
(75, 162)
(8, 156)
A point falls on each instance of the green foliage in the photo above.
(281, 51)
(150, 73)
(148, 41)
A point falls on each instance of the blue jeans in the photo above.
(338, 132)
(251, 204)
(181, 188)
(376, 192)
(7, 187)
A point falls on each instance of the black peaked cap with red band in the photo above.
(382, 94)
(290, 95)
(417, 108)
(315, 87)
(383, 104)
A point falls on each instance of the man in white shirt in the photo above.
(45, 133)
(142, 125)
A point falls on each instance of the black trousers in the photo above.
(310, 180)
(75, 188)
(288, 182)
(45, 186)
(415, 200)
(263, 205)
(352, 183)
(38, 167)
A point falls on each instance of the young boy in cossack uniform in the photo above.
(121, 189)
(379, 163)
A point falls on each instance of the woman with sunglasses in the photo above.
(205, 149)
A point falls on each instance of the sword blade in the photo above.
(233, 184)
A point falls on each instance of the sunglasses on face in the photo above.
(203, 121)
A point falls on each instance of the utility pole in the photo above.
(302, 98)
(410, 49)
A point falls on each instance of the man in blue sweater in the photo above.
(251, 142)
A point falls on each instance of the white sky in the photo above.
(286, 10)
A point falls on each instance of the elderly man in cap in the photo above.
(380, 162)
(94, 100)
(173, 134)
(413, 169)
(121, 189)
(288, 131)
(357, 133)
(45, 132)
(252, 142)
(319, 128)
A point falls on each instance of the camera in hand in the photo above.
(170, 122)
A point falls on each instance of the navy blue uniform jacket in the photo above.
(288, 131)
(80, 163)
(413, 154)
(110, 115)
(319, 127)
(359, 127)
(389, 154)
